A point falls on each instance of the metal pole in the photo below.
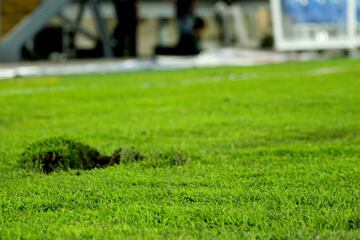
(76, 28)
(241, 30)
(80, 13)
(278, 30)
(351, 23)
(105, 39)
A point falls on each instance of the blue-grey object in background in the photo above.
(318, 11)
(358, 11)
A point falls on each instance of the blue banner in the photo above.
(318, 11)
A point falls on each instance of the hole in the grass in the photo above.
(353, 224)
(63, 154)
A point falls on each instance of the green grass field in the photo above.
(273, 152)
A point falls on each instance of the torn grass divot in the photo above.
(62, 154)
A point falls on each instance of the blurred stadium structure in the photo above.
(297, 25)
(316, 24)
(22, 20)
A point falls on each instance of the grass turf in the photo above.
(275, 153)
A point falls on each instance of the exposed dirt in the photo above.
(353, 224)
(63, 154)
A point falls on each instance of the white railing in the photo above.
(292, 34)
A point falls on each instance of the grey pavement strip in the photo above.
(210, 58)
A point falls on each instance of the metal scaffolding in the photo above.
(11, 44)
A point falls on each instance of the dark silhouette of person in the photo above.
(188, 43)
(125, 32)
(190, 28)
(185, 16)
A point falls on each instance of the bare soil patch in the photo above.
(60, 153)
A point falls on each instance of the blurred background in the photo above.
(73, 29)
